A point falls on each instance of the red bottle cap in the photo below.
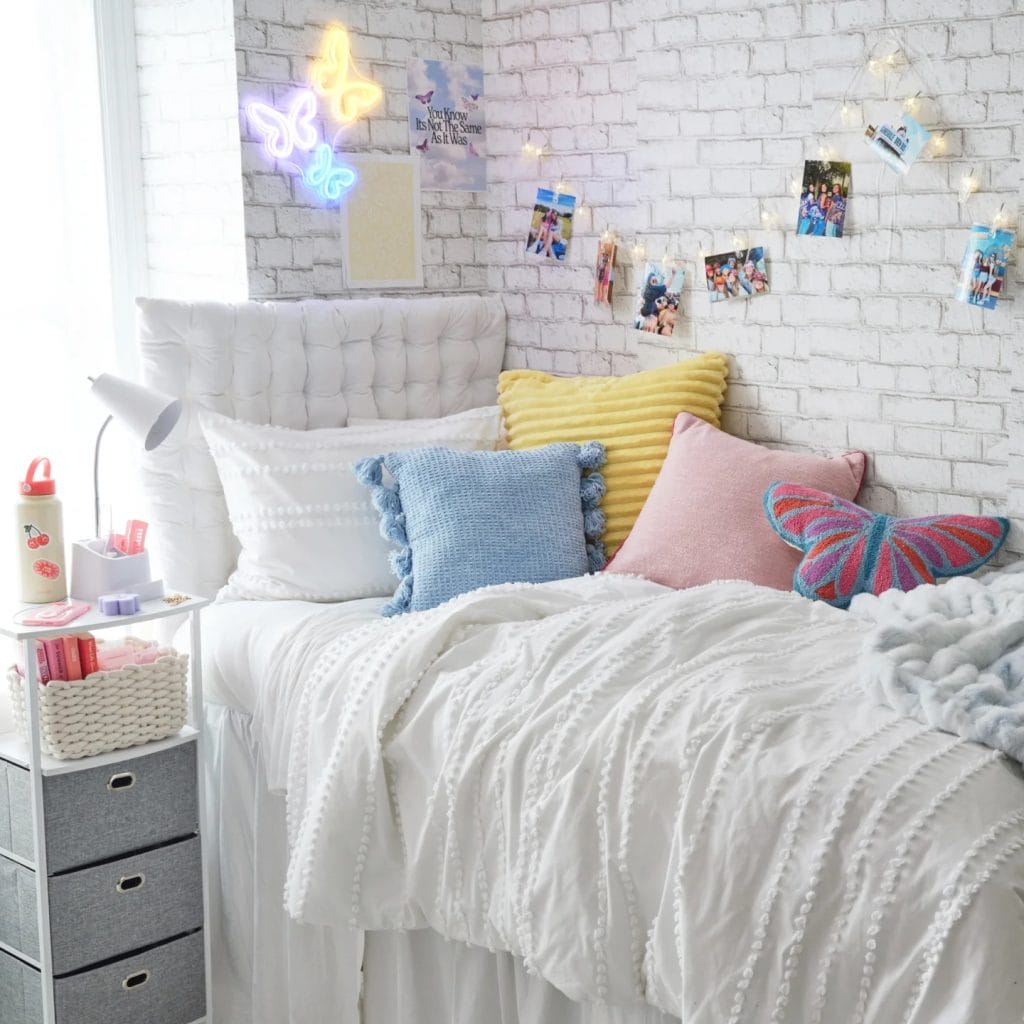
(37, 488)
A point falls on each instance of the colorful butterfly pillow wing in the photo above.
(849, 550)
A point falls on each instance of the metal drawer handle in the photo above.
(136, 980)
(130, 882)
(123, 780)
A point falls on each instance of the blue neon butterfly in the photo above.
(326, 177)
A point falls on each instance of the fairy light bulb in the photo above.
(876, 67)
(939, 143)
(969, 184)
(911, 103)
(850, 116)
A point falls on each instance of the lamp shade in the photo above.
(148, 414)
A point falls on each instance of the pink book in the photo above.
(87, 654)
(54, 648)
(72, 661)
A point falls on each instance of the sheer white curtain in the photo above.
(55, 301)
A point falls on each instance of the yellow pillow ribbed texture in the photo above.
(631, 416)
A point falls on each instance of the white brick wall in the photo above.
(193, 191)
(714, 111)
(293, 245)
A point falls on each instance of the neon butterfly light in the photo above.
(326, 177)
(282, 134)
(849, 550)
(334, 78)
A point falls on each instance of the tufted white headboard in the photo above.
(295, 364)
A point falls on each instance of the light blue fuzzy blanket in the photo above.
(951, 656)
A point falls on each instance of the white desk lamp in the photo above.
(148, 414)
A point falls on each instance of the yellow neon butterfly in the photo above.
(334, 78)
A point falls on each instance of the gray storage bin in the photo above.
(15, 811)
(99, 813)
(21, 992)
(162, 986)
(103, 912)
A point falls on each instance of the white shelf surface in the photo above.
(94, 619)
(14, 749)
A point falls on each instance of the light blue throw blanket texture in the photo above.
(951, 656)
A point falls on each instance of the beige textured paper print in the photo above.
(382, 225)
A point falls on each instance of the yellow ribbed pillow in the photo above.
(631, 416)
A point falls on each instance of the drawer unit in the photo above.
(107, 910)
(15, 810)
(161, 985)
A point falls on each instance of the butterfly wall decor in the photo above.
(281, 133)
(325, 176)
(333, 77)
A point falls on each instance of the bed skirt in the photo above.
(269, 970)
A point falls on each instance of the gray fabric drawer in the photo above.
(19, 928)
(15, 811)
(21, 992)
(86, 821)
(173, 992)
(91, 921)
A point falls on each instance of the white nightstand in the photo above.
(103, 893)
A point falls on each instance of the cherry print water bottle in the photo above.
(39, 535)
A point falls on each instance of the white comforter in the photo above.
(679, 797)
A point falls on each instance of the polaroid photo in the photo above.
(983, 270)
(736, 275)
(604, 272)
(898, 145)
(824, 198)
(657, 305)
(550, 233)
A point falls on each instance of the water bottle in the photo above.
(39, 535)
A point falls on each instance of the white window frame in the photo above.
(122, 156)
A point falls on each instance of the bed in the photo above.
(592, 801)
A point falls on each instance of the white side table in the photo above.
(102, 864)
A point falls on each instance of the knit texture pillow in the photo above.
(704, 519)
(465, 520)
(848, 550)
(631, 416)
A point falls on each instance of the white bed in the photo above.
(803, 856)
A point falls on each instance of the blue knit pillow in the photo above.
(472, 519)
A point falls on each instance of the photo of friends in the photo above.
(900, 145)
(604, 271)
(658, 302)
(551, 225)
(824, 198)
(983, 271)
(736, 275)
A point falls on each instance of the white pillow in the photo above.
(306, 526)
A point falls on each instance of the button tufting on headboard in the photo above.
(302, 365)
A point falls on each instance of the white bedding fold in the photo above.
(678, 797)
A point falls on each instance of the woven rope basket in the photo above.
(107, 710)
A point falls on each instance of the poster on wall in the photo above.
(604, 271)
(742, 274)
(550, 233)
(657, 306)
(447, 132)
(381, 224)
(899, 145)
(983, 270)
(824, 198)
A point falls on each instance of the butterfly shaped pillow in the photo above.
(849, 550)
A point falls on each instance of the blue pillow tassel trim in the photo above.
(592, 489)
(370, 473)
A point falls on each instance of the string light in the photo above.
(969, 184)
(911, 103)
(850, 116)
(938, 143)
(1001, 219)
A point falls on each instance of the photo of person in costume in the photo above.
(604, 272)
(742, 274)
(824, 198)
(657, 308)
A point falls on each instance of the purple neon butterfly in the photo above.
(849, 550)
(425, 97)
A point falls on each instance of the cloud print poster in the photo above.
(446, 124)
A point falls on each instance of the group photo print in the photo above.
(741, 274)
(824, 198)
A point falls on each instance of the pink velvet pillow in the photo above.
(704, 518)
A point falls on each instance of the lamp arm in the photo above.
(96, 475)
